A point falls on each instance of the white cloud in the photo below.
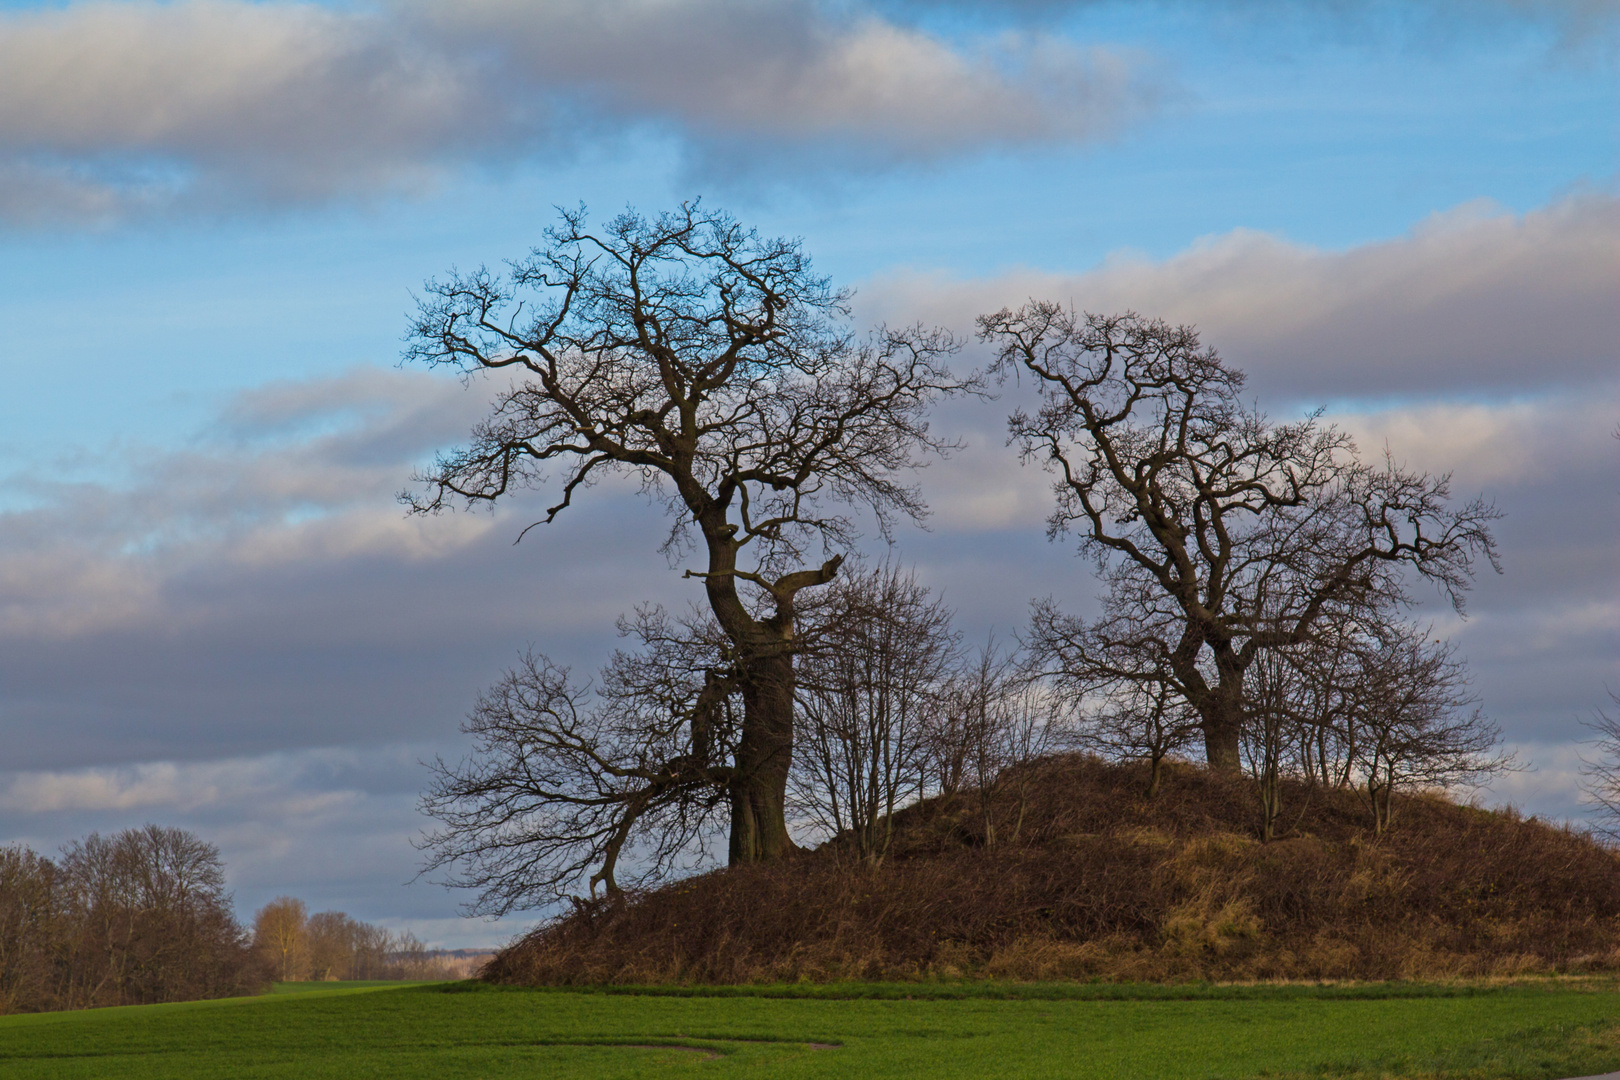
(108, 108)
(292, 475)
(1491, 444)
(273, 783)
(742, 70)
(115, 105)
(262, 589)
(1473, 300)
(1548, 783)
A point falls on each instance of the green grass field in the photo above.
(445, 1031)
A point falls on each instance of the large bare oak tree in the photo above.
(1220, 534)
(716, 367)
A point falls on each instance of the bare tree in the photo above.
(1142, 719)
(1418, 724)
(1371, 702)
(718, 369)
(1325, 670)
(372, 946)
(333, 939)
(333, 945)
(410, 958)
(31, 929)
(1303, 714)
(1127, 709)
(566, 778)
(280, 934)
(1219, 533)
(1276, 697)
(878, 652)
(1600, 767)
(153, 919)
(1294, 695)
(996, 718)
(137, 917)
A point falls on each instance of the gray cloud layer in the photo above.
(264, 587)
(111, 107)
(1473, 301)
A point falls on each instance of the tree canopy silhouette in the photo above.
(1220, 534)
(719, 369)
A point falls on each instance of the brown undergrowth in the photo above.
(1104, 884)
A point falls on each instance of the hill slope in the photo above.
(1097, 882)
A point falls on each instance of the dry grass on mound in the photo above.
(1101, 884)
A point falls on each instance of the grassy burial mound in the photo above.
(1087, 879)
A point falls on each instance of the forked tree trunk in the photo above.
(764, 755)
(764, 662)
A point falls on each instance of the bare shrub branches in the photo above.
(565, 778)
(996, 720)
(1418, 723)
(893, 710)
(621, 783)
(1378, 706)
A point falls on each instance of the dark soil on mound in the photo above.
(1100, 883)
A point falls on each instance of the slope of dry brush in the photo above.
(1102, 884)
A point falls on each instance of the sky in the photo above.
(215, 216)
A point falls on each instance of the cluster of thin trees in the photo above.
(296, 946)
(1254, 575)
(138, 917)
(893, 709)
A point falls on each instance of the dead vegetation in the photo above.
(1104, 884)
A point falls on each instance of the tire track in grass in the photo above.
(695, 1046)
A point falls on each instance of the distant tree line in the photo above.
(296, 946)
(138, 917)
(1255, 576)
(143, 917)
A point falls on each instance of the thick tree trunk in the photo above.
(764, 651)
(1221, 748)
(764, 755)
(1220, 713)
(1221, 718)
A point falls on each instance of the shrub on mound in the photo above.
(1089, 880)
